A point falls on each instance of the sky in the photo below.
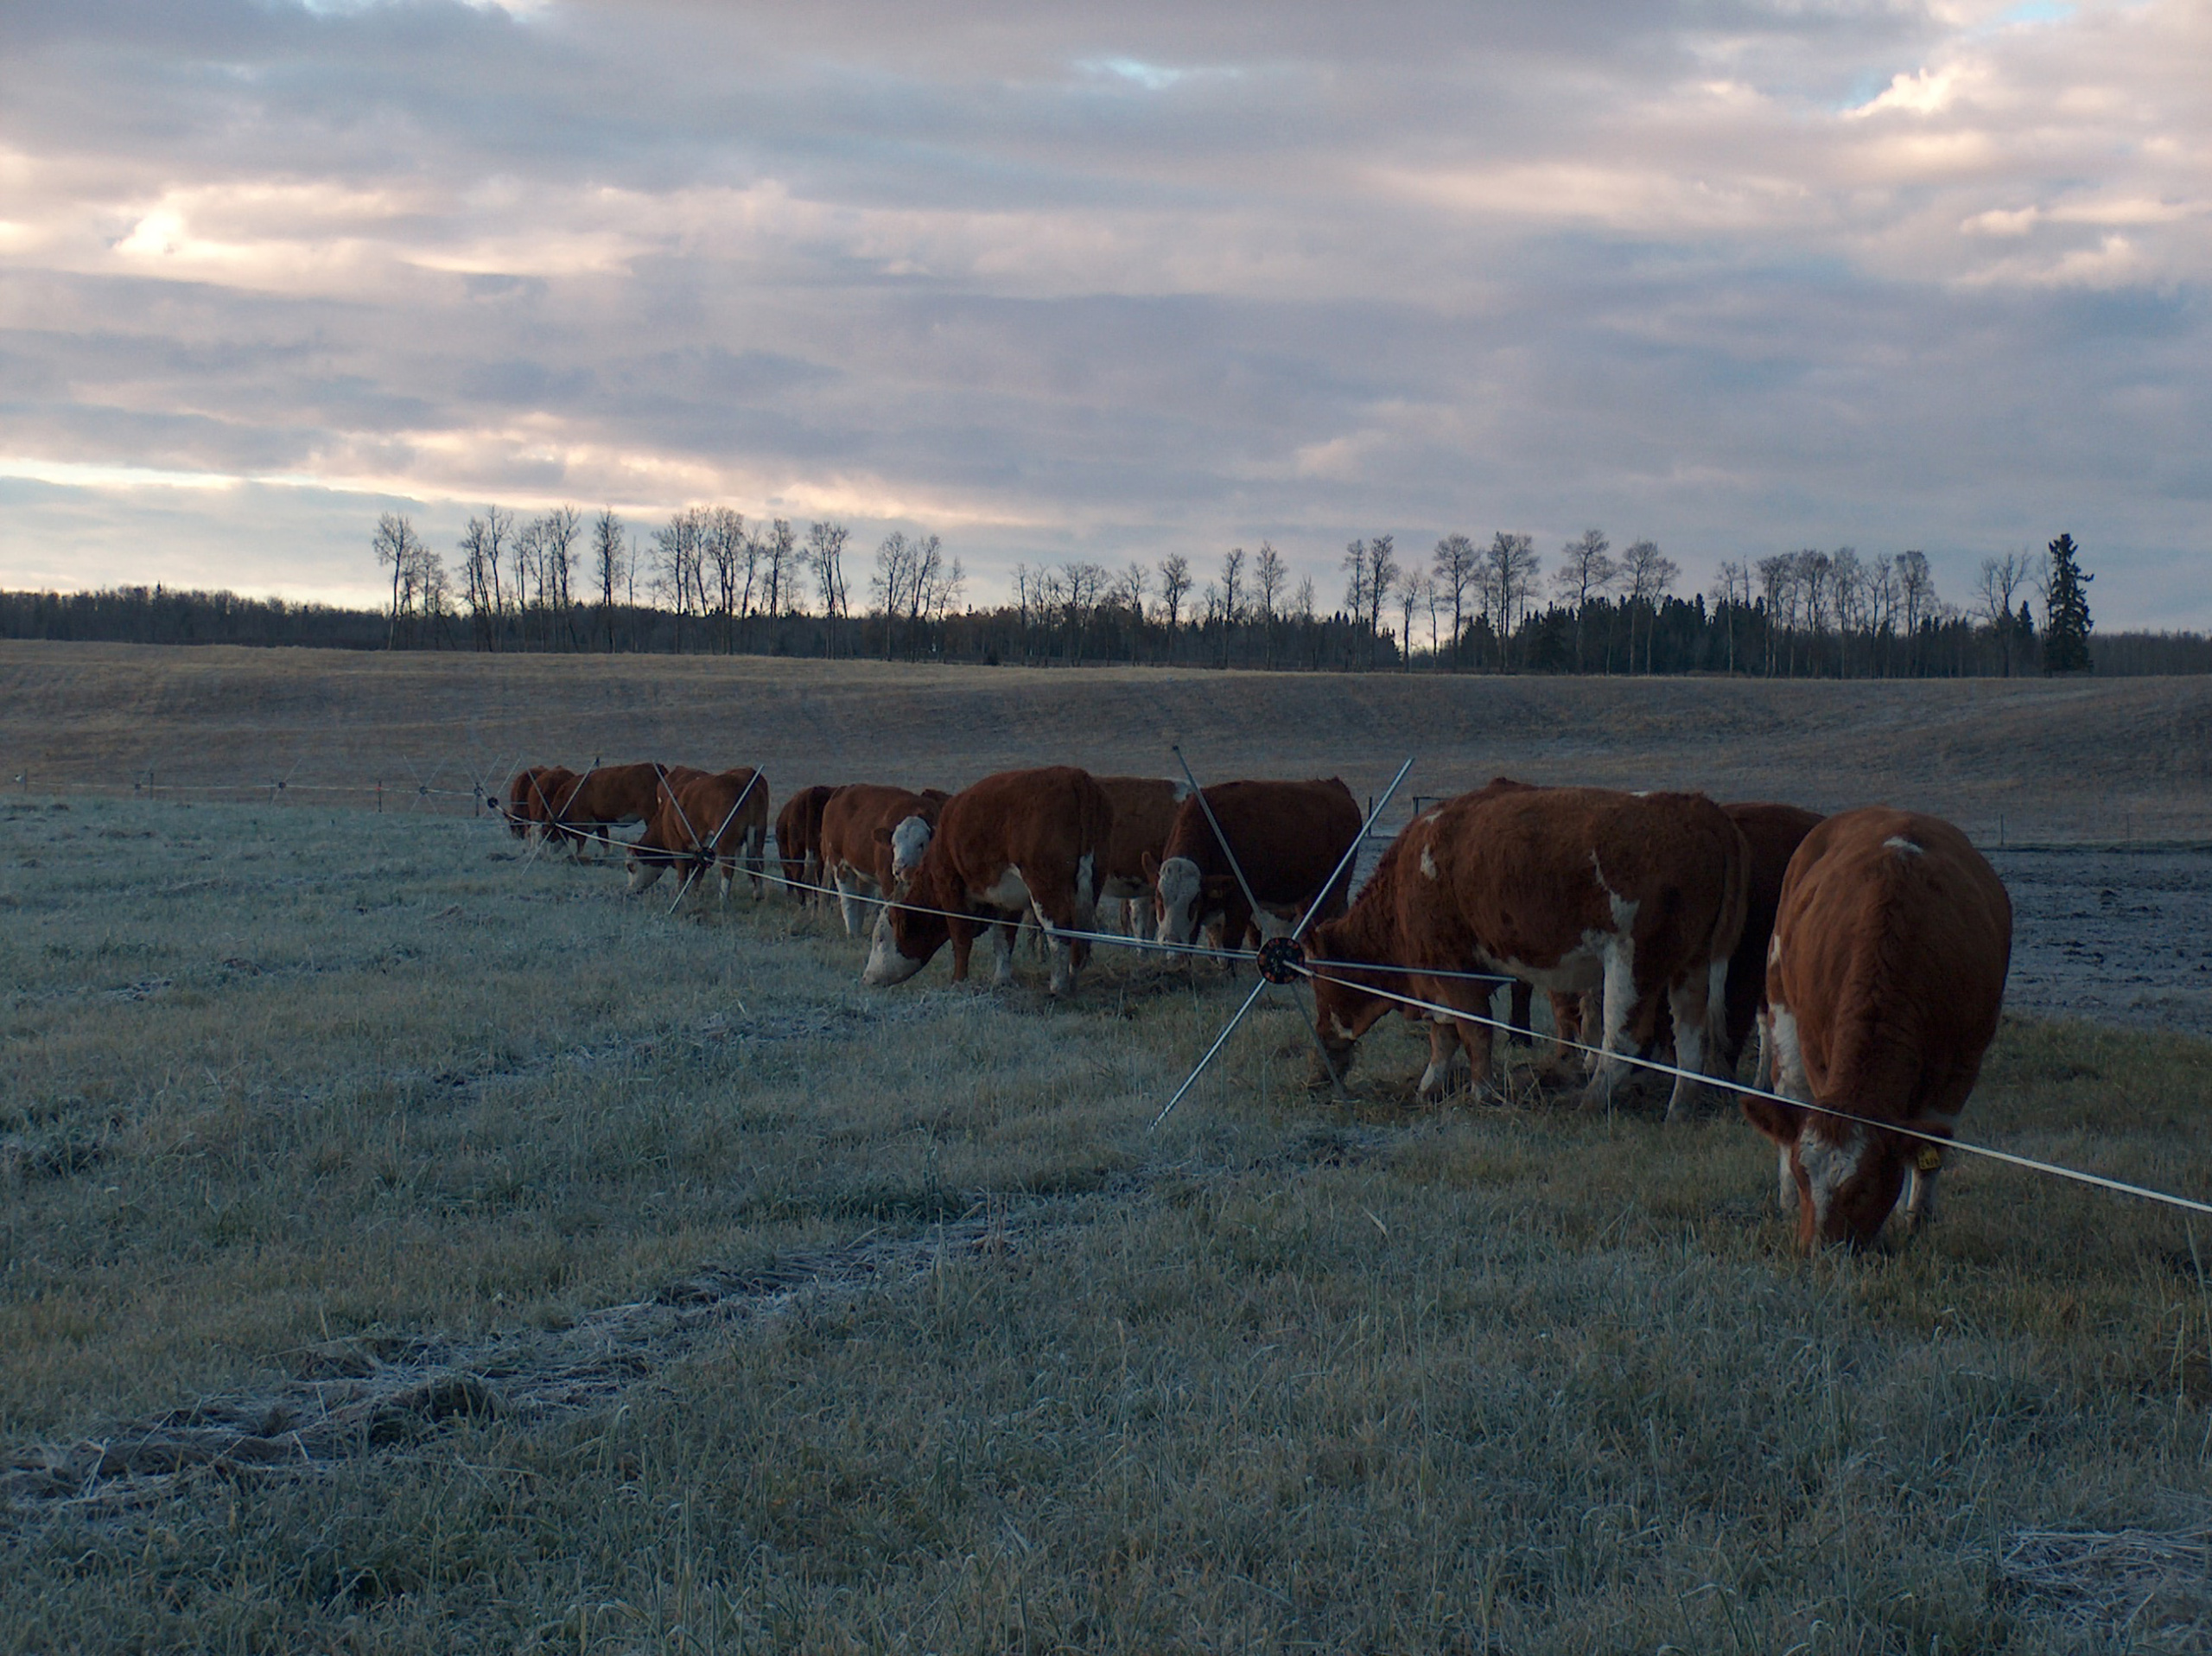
(1110, 280)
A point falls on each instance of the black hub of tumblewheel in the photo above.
(1282, 960)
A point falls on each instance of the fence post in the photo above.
(379, 796)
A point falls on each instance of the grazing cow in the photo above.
(1021, 841)
(607, 797)
(705, 820)
(1288, 838)
(531, 794)
(1569, 889)
(798, 840)
(1771, 834)
(1883, 980)
(872, 837)
(1144, 815)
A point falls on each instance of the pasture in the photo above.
(407, 1244)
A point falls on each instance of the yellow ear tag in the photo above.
(1930, 1159)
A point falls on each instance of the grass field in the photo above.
(408, 1245)
(2084, 759)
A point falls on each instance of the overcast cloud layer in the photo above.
(1110, 281)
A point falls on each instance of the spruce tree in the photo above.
(2065, 611)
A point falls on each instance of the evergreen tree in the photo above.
(2065, 611)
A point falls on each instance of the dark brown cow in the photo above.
(604, 799)
(705, 820)
(871, 836)
(1288, 838)
(1771, 834)
(531, 794)
(1568, 888)
(1144, 815)
(1021, 841)
(798, 840)
(1884, 977)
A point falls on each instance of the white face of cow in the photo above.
(642, 872)
(908, 841)
(886, 965)
(1180, 889)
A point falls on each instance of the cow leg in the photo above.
(1690, 1004)
(1786, 1181)
(1920, 1197)
(849, 901)
(1522, 997)
(1618, 1006)
(963, 934)
(1003, 939)
(1448, 1037)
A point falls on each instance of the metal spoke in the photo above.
(1228, 1029)
(1314, 909)
(1219, 837)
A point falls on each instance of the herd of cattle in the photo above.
(1868, 950)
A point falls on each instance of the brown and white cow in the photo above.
(605, 798)
(1288, 838)
(798, 840)
(872, 837)
(704, 821)
(1884, 977)
(1571, 890)
(1021, 841)
(531, 794)
(1144, 815)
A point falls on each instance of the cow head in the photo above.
(1838, 1179)
(1185, 897)
(904, 940)
(1846, 1185)
(907, 841)
(1344, 1009)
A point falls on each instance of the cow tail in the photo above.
(1729, 920)
(1096, 815)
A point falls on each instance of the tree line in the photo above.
(709, 580)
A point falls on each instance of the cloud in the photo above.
(1111, 282)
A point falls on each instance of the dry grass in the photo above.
(407, 1245)
(2087, 759)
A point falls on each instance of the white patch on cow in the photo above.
(1828, 1166)
(908, 841)
(1785, 1062)
(1002, 955)
(1011, 892)
(1428, 861)
(885, 964)
(1900, 845)
(1180, 889)
(1623, 911)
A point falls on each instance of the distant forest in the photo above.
(707, 582)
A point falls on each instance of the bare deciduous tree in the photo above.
(610, 560)
(1174, 586)
(1585, 569)
(1455, 566)
(2001, 578)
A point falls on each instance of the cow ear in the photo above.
(1151, 868)
(883, 836)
